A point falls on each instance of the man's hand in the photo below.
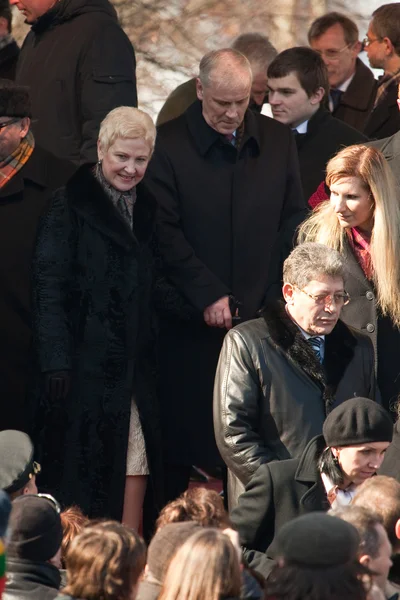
(219, 314)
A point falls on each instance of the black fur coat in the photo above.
(93, 318)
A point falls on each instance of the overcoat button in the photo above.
(370, 328)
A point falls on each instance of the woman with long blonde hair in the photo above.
(362, 221)
(206, 566)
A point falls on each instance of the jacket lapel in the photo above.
(307, 472)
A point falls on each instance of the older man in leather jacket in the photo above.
(278, 376)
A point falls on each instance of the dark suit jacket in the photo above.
(277, 493)
(324, 138)
(356, 103)
(8, 60)
(384, 120)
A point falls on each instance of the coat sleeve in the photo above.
(51, 275)
(186, 271)
(108, 80)
(237, 397)
(254, 519)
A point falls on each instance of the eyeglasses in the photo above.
(4, 124)
(51, 499)
(339, 299)
(332, 54)
(367, 42)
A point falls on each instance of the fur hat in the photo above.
(318, 540)
(14, 100)
(357, 421)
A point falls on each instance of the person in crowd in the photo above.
(105, 560)
(199, 504)
(5, 510)
(382, 45)
(18, 469)
(9, 49)
(79, 65)
(381, 495)
(218, 172)
(207, 565)
(280, 375)
(352, 84)
(33, 549)
(375, 549)
(94, 327)
(362, 221)
(73, 521)
(318, 560)
(162, 548)
(28, 176)
(355, 437)
(259, 51)
(298, 85)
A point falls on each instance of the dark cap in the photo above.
(14, 100)
(35, 528)
(17, 465)
(165, 543)
(318, 540)
(357, 421)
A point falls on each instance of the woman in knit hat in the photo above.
(355, 437)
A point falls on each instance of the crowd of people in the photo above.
(219, 296)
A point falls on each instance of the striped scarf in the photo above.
(17, 159)
(384, 82)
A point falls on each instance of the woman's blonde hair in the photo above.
(126, 122)
(205, 566)
(104, 562)
(368, 164)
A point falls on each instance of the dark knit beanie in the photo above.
(164, 545)
(357, 421)
(318, 540)
(14, 100)
(16, 464)
(35, 529)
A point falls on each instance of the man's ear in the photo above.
(287, 292)
(397, 529)
(317, 96)
(25, 126)
(199, 88)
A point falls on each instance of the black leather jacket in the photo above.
(30, 580)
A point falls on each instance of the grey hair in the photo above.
(228, 58)
(365, 521)
(257, 48)
(126, 122)
(311, 260)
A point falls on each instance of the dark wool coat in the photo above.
(277, 493)
(384, 120)
(391, 464)
(357, 101)
(219, 210)
(324, 138)
(31, 580)
(272, 394)
(79, 65)
(92, 277)
(8, 60)
(22, 201)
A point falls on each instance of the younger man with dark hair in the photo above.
(298, 87)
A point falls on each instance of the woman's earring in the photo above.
(99, 162)
(336, 460)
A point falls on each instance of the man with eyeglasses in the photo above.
(382, 45)
(352, 84)
(28, 176)
(280, 375)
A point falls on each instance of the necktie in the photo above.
(231, 138)
(316, 344)
(335, 97)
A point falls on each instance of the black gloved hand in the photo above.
(57, 384)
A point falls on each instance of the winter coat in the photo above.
(272, 394)
(93, 318)
(79, 65)
(324, 138)
(384, 120)
(277, 493)
(31, 580)
(22, 201)
(219, 210)
(391, 466)
(8, 60)
(357, 101)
